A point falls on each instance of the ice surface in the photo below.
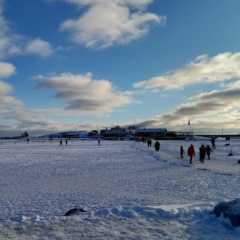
(129, 191)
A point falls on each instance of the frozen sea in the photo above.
(128, 191)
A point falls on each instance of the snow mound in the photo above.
(167, 222)
(229, 210)
(154, 212)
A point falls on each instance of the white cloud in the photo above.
(39, 47)
(12, 44)
(83, 93)
(4, 89)
(211, 110)
(13, 112)
(6, 70)
(107, 23)
(16, 117)
(8, 103)
(135, 3)
(8, 45)
(203, 69)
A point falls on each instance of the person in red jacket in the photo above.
(191, 153)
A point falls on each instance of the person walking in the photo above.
(191, 153)
(99, 141)
(181, 152)
(149, 143)
(208, 151)
(61, 142)
(213, 143)
(202, 153)
(66, 142)
(157, 146)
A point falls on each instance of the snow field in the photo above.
(130, 192)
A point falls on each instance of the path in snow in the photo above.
(221, 162)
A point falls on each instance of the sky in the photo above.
(88, 64)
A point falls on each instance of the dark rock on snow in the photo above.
(229, 210)
(75, 212)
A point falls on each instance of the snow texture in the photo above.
(127, 190)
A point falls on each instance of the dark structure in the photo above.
(154, 133)
(67, 135)
(93, 134)
(74, 212)
(230, 210)
(115, 133)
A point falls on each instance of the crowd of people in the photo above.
(156, 144)
(204, 151)
(61, 142)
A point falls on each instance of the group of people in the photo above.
(203, 152)
(156, 144)
(61, 142)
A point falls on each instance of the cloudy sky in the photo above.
(79, 64)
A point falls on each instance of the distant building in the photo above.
(115, 133)
(173, 135)
(70, 134)
(93, 134)
(155, 133)
(78, 134)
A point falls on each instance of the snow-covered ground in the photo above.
(128, 190)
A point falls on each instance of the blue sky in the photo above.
(90, 63)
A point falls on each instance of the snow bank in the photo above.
(136, 222)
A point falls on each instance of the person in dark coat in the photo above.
(61, 142)
(149, 143)
(202, 153)
(181, 152)
(191, 153)
(213, 143)
(208, 151)
(66, 142)
(157, 146)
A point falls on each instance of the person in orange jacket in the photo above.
(191, 153)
